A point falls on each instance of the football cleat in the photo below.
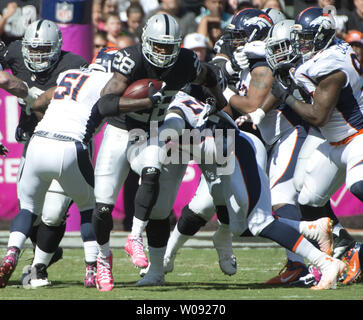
(354, 271)
(39, 276)
(311, 279)
(151, 279)
(291, 272)
(331, 269)
(135, 249)
(26, 276)
(321, 231)
(104, 278)
(342, 243)
(90, 277)
(222, 241)
(8, 265)
(169, 263)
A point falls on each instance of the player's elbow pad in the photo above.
(108, 105)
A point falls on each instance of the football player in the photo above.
(159, 56)
(59, 148)
(239, 51)
(332, 75)
(38, 60)
(245, 190)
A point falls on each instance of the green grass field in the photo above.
(196, 277)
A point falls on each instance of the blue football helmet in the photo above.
(248, 25)
(103, 60)
(314, 30)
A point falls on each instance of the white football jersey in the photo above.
(346, 118)
(71, 112)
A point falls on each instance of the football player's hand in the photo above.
(33, 94)
(280, 91)
(212, 107)
(156, 96)
(3, 150)
(282, 73)
(21, 136)
(255, 117)
(240, 59)
(255, 49)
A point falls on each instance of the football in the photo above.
(140, 88)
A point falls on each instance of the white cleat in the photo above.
(321, 231)
(223, 243)
(169, 263)
(39, 276)
(331, 270)
(151, 279)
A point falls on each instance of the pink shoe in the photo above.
(104, 278)
(135, 249)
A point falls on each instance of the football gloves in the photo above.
(156, 96)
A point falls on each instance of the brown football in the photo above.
(140, 88)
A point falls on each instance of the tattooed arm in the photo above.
(259, 87)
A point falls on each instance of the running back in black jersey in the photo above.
(13, 60)
(131, 63)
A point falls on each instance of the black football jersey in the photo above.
(131, 63)
(13, 60)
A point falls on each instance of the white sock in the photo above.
(156, 259)
(90, 250)
(16, 239)
(41, 256)
(175, 242)
(104, 250)
(138, 227)
(307, 250)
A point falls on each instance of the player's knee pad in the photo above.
(23, 222)
(87, 232)
(147, 193)
(357, 190)
(189, 223)
(49, 237)
(102, 222)
(158, 232)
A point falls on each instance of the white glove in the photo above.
(241, 59)
(255, 49)
(33, 94)
(340, 22)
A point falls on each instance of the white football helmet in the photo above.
(41, 45)
(278, 46)
(161, 31)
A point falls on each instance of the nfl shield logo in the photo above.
(64, 12)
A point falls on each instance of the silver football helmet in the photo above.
(41, 45)
(161, 40)
(275, 15)
(278, 46)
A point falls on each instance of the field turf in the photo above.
(196, 276)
